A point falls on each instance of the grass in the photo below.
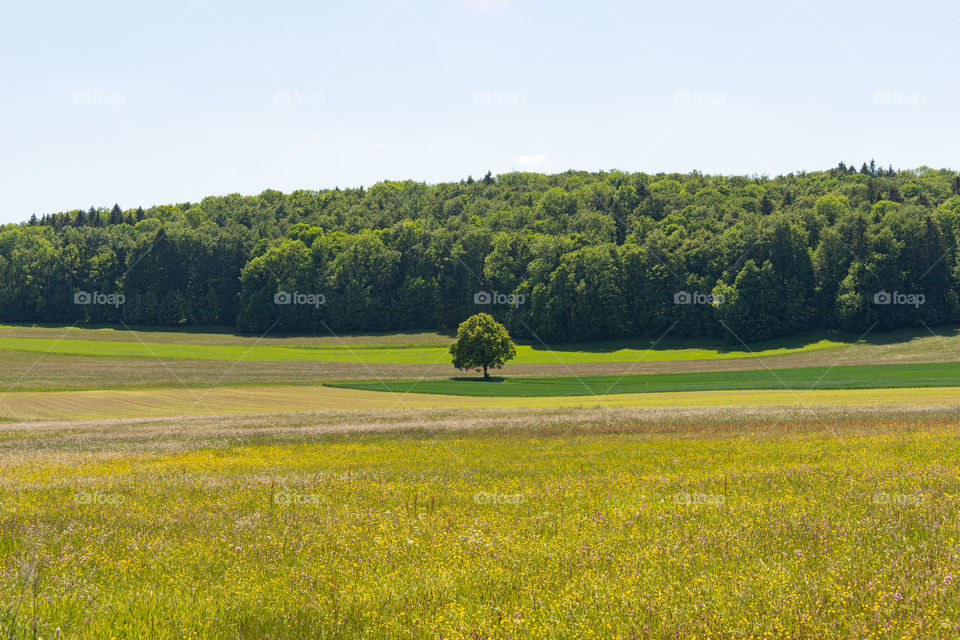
(370, 353)
(52, 385)
(684, 504)
(135, 403)
(46, 358)
(580, 524)
(212, 335)
(944, 374)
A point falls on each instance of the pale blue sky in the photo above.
(149, 103)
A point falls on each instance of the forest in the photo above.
(557, 258)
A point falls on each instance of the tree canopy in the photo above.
(482, 344)
(571, 256)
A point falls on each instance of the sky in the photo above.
(144, 103)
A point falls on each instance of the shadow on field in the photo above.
(226, 330)
(798, 341)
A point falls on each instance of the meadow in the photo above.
(82, 373)
(149, 489)
(583, 523)
(51, 358)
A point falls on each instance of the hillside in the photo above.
(566, 257)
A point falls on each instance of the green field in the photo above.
(50, 358)
(399, 353)
(852, 377)
(453, 524)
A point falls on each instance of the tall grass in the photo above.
(546, 525)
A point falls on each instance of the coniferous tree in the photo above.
(766, 205)
(116, 215)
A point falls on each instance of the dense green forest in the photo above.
(564, 257)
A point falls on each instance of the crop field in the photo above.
(168, 402)
(606, 523)
(47, 358)
(80, 373)
(945, 374)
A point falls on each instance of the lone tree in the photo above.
(482, 342)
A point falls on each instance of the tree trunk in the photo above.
(485, 374)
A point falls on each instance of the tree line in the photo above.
(565, 257)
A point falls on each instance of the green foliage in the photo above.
(752, 306)
(482, 343)
(594, 255)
